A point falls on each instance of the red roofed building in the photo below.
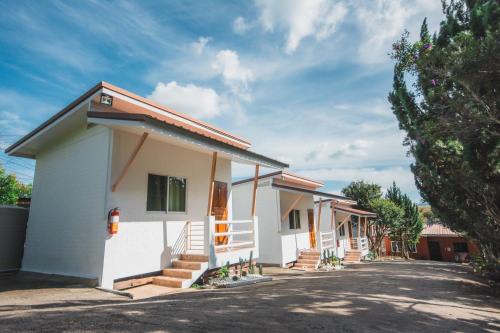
(437, 242)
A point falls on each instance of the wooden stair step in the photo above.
(307, 261)
(305, 265)
(309, 256)
(178, 272)
(184, 264)
(311, 252)
(168, 281)
(194, 257)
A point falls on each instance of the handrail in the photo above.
(233, 222)
(247, 234)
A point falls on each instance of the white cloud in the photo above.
(196, 101)
(301, 19)
(358, 148)
(383, 21)
(199, 46)
(240, 25)
(235, 76)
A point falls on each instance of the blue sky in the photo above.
(305, 81)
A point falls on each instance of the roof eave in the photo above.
(181, 132)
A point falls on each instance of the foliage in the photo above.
(242, 264)
(450, 115)
(11, 189)
(223, 272)
(196, 286)
(409, 227)
(363, 193)
(389, 215)
(251, 266)
(261, 270)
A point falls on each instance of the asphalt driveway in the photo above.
(416, 296)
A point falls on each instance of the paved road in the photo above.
(377, 297)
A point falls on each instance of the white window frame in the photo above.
(292, 213)
(410, 249)
(397, 247)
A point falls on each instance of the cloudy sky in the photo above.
(305, 81)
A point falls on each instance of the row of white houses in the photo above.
(170, 178)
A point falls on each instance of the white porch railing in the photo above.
(194, 237)
(237, 240)
(360, 244)
(363, 243)
(326, 241)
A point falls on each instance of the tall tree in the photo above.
(389, 216)
(445, 97)
(407, 229)
(363, 193)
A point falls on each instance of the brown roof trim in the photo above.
(285, 173)
(124, 92)
(260, 177)
(185, 132)
(301, 189)
(58, 115)
(172, 111)
(355, 211)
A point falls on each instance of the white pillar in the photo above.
(209, 241)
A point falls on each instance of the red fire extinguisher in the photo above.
(113, 220)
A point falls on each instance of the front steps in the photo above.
(308, 260)
(184, 272)
(352, 256)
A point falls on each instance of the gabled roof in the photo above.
(127, 102)
(286, 176)
(437, 229)
(354, 211)
(308, 191)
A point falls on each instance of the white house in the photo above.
(346, 229)
(169, 174)
(288, 228)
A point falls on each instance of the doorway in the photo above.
(434, 251)
(219, 210)
(312, 233)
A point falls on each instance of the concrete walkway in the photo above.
(415, 296)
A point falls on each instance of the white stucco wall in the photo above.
(294, 240)
(66, 226)
(267, 209)
(148, 241)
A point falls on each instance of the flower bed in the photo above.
(236, 281)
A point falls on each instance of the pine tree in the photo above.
(445, 97)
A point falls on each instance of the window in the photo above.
(157, 193)
(342, 230)
(412, 248)
(176, 194)
(166, 194)
(460, 247)
(294, 218)
(395, 247)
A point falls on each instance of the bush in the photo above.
(223, 272)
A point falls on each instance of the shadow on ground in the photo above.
(386, 296)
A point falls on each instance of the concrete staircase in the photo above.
(308, 260)
(184, 272)
(352, 256)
